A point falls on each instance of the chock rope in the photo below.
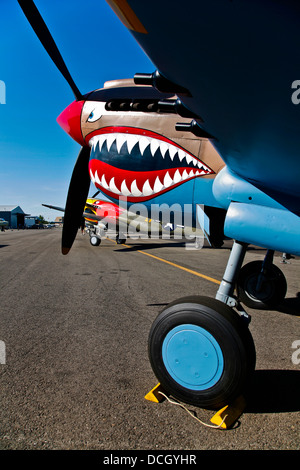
(219, 426)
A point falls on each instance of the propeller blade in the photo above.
(76, 199)
(38, 25)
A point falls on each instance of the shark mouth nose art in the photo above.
(139, 164)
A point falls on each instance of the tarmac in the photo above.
(74, 367)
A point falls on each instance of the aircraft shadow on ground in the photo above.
(274, 391)
(180, 243)
(290, 306)
(150, 246)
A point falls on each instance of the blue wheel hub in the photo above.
(192, 357)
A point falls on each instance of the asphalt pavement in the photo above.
(74, 367)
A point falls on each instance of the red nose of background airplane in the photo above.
(70, 121)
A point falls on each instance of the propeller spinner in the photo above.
(80, 180)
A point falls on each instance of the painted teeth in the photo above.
(177, 177)
(97, 180)
(135, 190)
(154, 145)
(158, 186)
(144, 142)
(131, 189)
(112, 186)
(147, 190)
(167, 180)
(120, 141)
(104, 183)
(124, 190)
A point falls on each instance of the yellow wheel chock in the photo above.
(224, 418)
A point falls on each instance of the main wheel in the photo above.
(201, 351)
(257, 289)
(94, 240)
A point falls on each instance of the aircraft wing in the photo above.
(61, 209)
(236, 66)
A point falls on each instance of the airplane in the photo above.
(3, 224)
(95, 211)
(230, 72)
(104, 217)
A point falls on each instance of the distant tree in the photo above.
(42, 220)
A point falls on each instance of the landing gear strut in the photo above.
(96, 233)
(120, 239)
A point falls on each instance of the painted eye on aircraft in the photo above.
(95, 115)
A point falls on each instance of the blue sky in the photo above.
(36, 156)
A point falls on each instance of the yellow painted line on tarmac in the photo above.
(191, 271)
(195, 273)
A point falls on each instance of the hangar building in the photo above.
(14, 215)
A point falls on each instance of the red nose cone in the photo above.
(70, 121)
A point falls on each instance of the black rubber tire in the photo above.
(231, 333)
(94, 240)
(273, 291)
